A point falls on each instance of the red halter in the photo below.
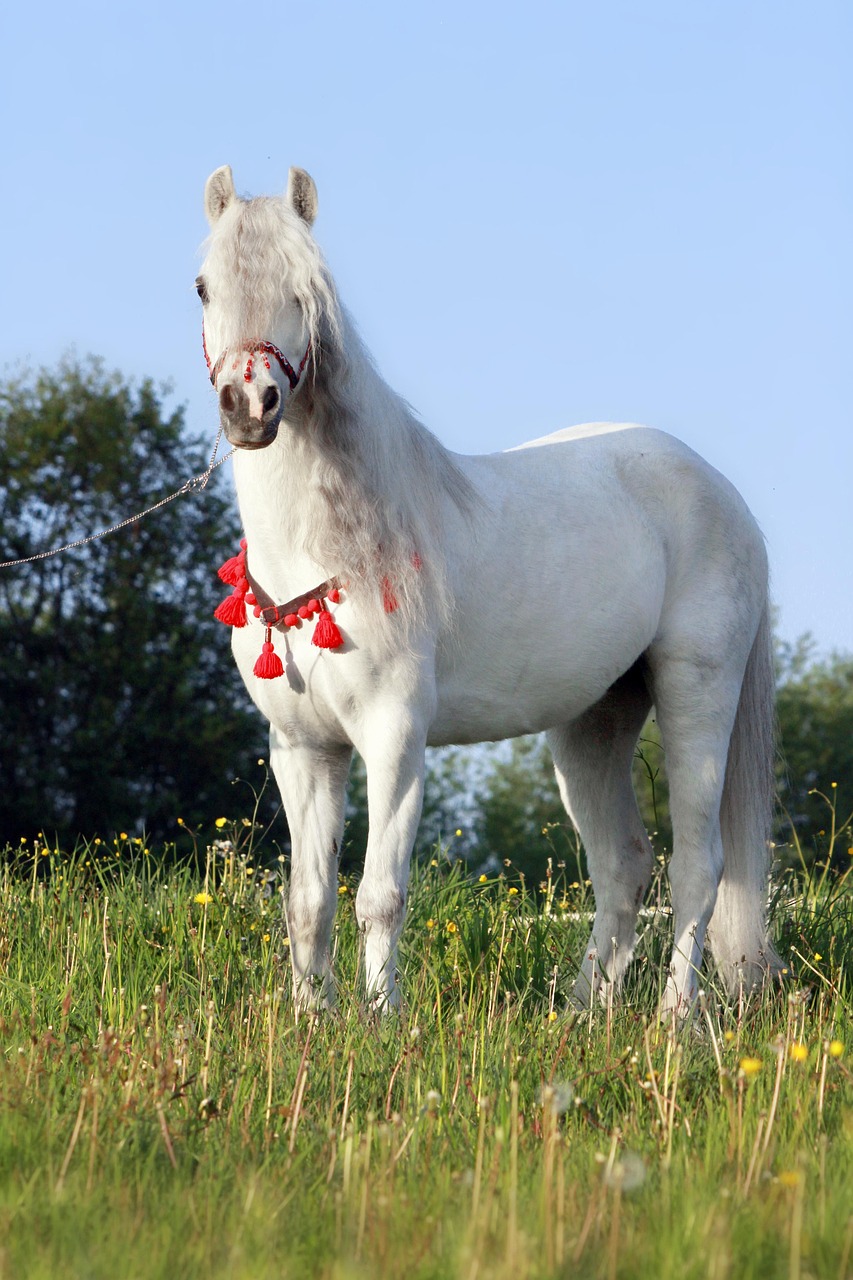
(265, 349)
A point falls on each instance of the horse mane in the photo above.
(382, 479)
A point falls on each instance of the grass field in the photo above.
(163, 1112)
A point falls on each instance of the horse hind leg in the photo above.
(696, 690)
(592, 761)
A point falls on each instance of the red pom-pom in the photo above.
(334, 595)
(304, 611)
(326, 634)
(314, 606)
(291, 619)
(232, 611)
(269, 664)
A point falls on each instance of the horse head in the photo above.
(260, 304)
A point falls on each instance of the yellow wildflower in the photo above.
(552, 1016)
(203, 899)
(342, 889)
(220, 822)
(836, 1048)
(790, 1177)
(818, 956)
(513, 891)
(483, 878)
(459, 831)
(798, 1051)
(750, 1066)
(430, 923)
(450, 927)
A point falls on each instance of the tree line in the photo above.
(122, 708)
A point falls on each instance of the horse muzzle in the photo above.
(250, 415)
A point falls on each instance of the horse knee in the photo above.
(380, 906)
(310, 908)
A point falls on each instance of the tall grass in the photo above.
(163, 1110)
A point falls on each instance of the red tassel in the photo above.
(326, 634)
(232, 611)
(269, 665)
(235, 568)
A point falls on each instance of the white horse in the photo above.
(567, 585)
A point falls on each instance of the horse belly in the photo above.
(504, 677)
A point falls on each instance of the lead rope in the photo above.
(194, 485)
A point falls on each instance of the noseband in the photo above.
(265, 350)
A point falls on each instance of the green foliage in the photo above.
(815, 708)
(521, 818)
(163, 1110)
(121, 704)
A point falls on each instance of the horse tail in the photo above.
(738, 931)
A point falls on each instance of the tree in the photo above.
(815, 709)
(122, 708)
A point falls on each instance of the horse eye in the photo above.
(201, 290)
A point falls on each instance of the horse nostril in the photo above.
(227, 399)
(270, 400)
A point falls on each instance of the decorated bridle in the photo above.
(264, 350)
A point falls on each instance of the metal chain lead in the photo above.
(193, 485)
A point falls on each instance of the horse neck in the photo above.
(278, 510)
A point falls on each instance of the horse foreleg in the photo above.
(394, 756)
(312, 781)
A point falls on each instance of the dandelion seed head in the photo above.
(628, 1173)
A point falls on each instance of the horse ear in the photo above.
(302, 195)
(218, 193)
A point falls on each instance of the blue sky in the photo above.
(539, 214)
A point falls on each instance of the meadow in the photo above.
(164, 1111)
